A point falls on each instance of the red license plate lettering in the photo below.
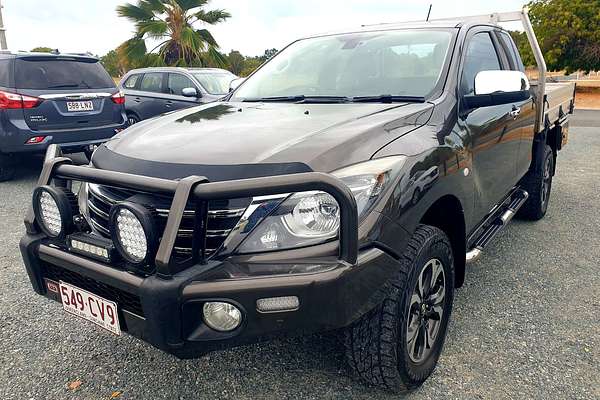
(88, 306)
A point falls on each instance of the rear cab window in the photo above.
(514, 58)
(40, 73)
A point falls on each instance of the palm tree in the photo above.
(173, 24)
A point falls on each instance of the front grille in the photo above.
(124, 300)
(223, 215)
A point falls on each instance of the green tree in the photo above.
(237, 62)
(268, 54)
(568, 32)
(250, 65)
(112, 63)
(173, 23)
(42, 50)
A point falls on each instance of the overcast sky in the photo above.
(93, 25)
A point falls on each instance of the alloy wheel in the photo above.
(546, 181)
(426, 311)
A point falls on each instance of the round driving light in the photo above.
(133, 232)
(54, 209)
(222, 317)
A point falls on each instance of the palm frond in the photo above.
(191, 43)
(153, 28)
(187, 5)
(134, 13)
(207, 37)
(154, 6)
(216, 57)
(212, 17)
(134, 48)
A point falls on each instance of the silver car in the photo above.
(154, 91)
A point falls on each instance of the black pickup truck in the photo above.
(343, 187)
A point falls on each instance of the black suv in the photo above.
(154, 91)
(54, 98)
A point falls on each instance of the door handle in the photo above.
(516, 111)
(137, 100)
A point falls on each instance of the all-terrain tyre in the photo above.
(388, 346)
(539, 186)
(7, 168)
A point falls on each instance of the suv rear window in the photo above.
(33, 73)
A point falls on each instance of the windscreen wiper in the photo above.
(288, 99)
(387, 98)
(66, 85)
(299, 99)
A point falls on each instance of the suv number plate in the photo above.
(88, 306)
(80, 106)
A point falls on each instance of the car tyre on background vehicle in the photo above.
(538, 183)
(132, 119)
(387, 347)
(7, 168)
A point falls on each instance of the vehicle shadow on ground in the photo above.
(29, 166)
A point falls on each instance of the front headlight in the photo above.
(309, 218)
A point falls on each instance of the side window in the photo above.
(132, 81)
(178, 82)
(152, 82)
(5, 73)
(481, 56)
(516, 64)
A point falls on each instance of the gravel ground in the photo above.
(525, 325)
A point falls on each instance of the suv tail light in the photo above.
(10, 100)
(118, 98)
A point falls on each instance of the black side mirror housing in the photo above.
(495, 99)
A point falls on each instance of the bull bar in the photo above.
(200, 191)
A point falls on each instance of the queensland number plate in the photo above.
(80, 106)
(88, 306)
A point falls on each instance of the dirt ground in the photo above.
(587, 100)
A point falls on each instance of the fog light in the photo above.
(133, 231)
(221, 316)
(54, 208)
(91, 246)
(275, 304)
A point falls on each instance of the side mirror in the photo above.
(234, 84)
(190, 92)
(494, 88)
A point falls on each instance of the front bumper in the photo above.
(165, 309)
(167, 312)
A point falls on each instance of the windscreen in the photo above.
(215, 83)
(398, 63)
(41, 74)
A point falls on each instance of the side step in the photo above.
(499, 220)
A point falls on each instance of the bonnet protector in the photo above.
(109, 160)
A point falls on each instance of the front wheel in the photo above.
(397, 345)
